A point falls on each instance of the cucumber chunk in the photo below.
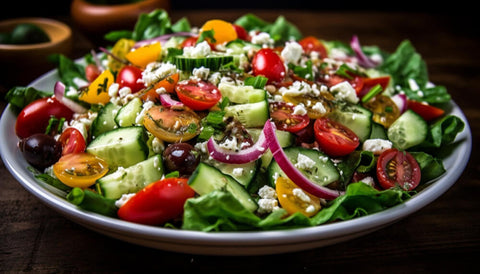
(356, 118)
(323, 172)
(127, 115)
(409, 130)
(250, 115)
(213, 63)
(242, 94)
(131, 179)
(121, 147)
(206, 179)
(105, 120)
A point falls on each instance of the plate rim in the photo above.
(226, 243)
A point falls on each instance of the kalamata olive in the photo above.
(181, 157)
(40, 150)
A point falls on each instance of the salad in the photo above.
(234, 126)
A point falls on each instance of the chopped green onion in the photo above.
(372, 93)
(256, 82)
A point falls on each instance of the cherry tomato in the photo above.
(172, 125)
(334, 138)
(293, 199)
(189, 42)
(398, 168)
(158, 202)
(130, 76)
(268, 63)
(385, 111)
(428, 112)
(311, 43)
(35, 116)
(92, 72)
(198, 95)
(284, 118)
(168, 84)
(80, 169)
(72, 141)
(369, 83)
(356, 81)
(241, 32)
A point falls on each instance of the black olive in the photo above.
(181, 157)
(40, 150)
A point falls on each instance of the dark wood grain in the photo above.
(443, 237)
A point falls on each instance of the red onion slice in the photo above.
(167, 101)
(59, 92)
(400, 100)
(363, 60)
(291, 171)
(243, 156)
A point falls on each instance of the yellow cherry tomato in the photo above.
(97, 91)
(385, 111)
(293, 199)
(119, 50)
(172, 125)
(223, 31)
(144, 55)
(80, 169)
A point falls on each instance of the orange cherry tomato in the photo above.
(223, 31)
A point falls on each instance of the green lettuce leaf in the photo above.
(281, 30)
(19, 97)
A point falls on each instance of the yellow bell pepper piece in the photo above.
(144, 55)
(97, 91)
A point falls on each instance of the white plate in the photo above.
(225, 243)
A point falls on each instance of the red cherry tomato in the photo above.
(356, 81)
(284, 118)
(268, 63)
(334, 138)
(92, 72)
(158, 202)
(398, 168)
(428, 112)
(369, 83)
(35, 116)
(130, 76)
(311, 43)
(189, 42)
(198, 95)
(241, 32)
(72, 141)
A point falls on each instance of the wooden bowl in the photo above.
(97, 20)
(18, 61)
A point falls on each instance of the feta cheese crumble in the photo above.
(304, 162)
(345, 91)
(377, 146)
(292, 52)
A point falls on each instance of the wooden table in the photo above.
(443, 237)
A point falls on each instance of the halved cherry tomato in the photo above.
(384, 109)
(130, 76)
(72, 141)
(428, 112)
(284, 118)
(293, 199)
(198, 95)
(311, 43)
(35, 116)
(189, 42)
(223, 31)
(157, 203)
(172, 125)
(268, 63)
(398, 168)
(80, 169)
(168, 84)
(334, 138)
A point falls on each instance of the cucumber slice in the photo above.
(127, 115)
(206, 179)
(323, 172)
(356, 118)
(242, 94)
(250, 115)
(211, 62)
(131, 179)
(121, 147)
(285, 139)
(409, 130)
(105, 120)
(242, 173)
